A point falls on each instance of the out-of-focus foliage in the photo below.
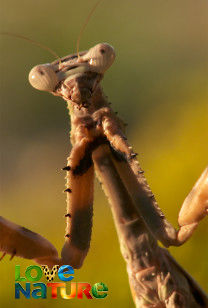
(159, 86)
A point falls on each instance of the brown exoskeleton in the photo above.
(98, 140)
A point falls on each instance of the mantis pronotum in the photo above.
(98, 140)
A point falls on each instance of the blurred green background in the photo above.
(159, 85)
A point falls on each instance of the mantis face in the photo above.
(98, 59)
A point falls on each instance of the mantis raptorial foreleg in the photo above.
(194, 208)
(79, 205)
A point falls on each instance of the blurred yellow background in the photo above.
(158, 84)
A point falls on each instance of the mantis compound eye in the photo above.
(43, 78)
(100, 57)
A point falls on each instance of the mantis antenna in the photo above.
(33, 42)
(85, 24)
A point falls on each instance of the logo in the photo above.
(29, 285)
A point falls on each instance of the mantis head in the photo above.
(98, 59)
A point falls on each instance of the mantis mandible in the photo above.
(98, 139)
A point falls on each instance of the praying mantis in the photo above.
(99, 142)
